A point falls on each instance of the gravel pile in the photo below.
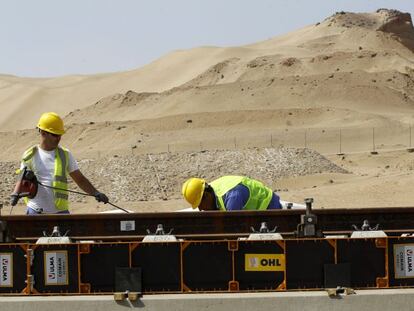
(160, 176)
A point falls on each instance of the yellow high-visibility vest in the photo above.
(60, 174)
(259, 195)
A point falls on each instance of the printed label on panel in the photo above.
(128, 225)
(6, 269)
(56, 268)
(264, 262)
(404, 261)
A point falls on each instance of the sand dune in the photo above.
(341, 44)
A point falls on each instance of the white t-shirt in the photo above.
(44, 169)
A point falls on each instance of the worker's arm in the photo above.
(275, 202)
(14, 198)
(86, 186)
(83, 182)
(16, 188)
(236, 198)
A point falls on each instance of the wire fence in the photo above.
(325, 141)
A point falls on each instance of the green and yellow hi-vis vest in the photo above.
(60, 174)
(259, 197)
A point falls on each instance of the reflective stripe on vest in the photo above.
(60, 175)
(259, 195)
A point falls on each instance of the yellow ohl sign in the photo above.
(264, 262)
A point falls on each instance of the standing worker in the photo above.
(51, 164)
(229, 193)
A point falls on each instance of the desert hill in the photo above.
(347, 62)
(365, 52)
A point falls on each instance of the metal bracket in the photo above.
(56, 233)
(30, 255)
(337, 292)
(308, 222)
(366, 226)
(264, 233)
(127, 295)
(263, 229)
(54, 238)
(30, 282)
(160, 231)
(159, 235)
(366, 231)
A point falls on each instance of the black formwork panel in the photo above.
(366, 259)
(401, 261)
(55, 268)
(305, 261)
(160, 264)
(207, 266)
(259, 265)
(98, 266)
(13, 266)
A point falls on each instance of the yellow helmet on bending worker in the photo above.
(52, 123)
(193, 190)
(229, 193)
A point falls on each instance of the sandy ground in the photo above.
(344, 85)
(383, 180)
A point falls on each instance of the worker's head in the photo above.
(51, 122)
(199, 194)
(51, 129)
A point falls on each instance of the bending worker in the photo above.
(229, 193)
(51, 164)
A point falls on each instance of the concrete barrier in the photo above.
(363, 300)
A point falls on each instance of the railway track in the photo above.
(397, 220)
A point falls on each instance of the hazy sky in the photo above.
(41, 38)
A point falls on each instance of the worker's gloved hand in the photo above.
(101, 197)
(14, 198)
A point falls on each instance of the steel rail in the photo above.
(204, 223)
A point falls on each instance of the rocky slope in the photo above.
(160, 176)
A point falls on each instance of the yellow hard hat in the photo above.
(193, 190)
(52, 123)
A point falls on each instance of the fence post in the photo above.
(410, 148)
(340, 142)
(271, 140)
(235, 143)
(373, 142)
(306, 139)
